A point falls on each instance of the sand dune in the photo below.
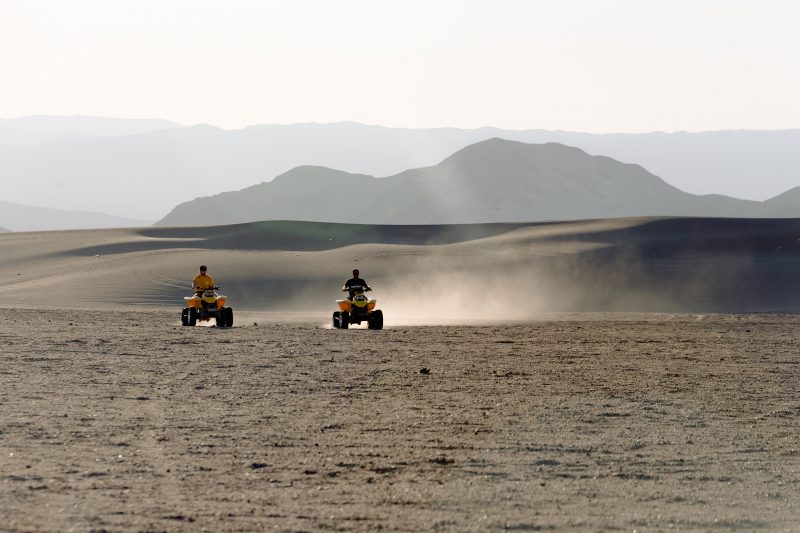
(458, 272)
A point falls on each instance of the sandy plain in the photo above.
(603, 423)
(457, 417)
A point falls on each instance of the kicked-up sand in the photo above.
(507, 392)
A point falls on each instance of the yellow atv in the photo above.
(206, 305)
(356, 309)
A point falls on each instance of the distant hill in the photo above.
(786, 205)
(144, 175)
(29, 131)
(26, 218)
(490, 181)
(4, 230)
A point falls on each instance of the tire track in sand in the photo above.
(162, 486)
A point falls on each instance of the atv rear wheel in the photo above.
(185, 316)
(375, 320)
(336, 317)
(344, 320)
(192, 316)
(228, 317)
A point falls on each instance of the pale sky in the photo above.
(581, 65)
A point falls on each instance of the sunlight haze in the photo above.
(614, 66)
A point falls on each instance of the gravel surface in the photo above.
(125, 421)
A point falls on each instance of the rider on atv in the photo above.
(202, 281)
(357, 308)
(206, 304)
(355, 281)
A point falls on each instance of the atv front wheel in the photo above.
(375, 320)
(224, 317)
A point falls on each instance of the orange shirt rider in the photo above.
(202, 281)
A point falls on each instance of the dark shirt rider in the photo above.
(355, 280)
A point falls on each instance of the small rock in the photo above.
(425, 371)
(179, 517)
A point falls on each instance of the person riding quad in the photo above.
(202, 281)
(355, 280)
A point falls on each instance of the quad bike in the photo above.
(206, 305)
(358, 309)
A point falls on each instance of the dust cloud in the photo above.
(462, 297)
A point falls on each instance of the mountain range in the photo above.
(18, 217)
(143, 169)
(29, 131)
(491, 181)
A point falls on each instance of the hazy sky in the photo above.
(586, 65)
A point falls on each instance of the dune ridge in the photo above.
(466, 272)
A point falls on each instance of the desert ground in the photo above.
(597, 376)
